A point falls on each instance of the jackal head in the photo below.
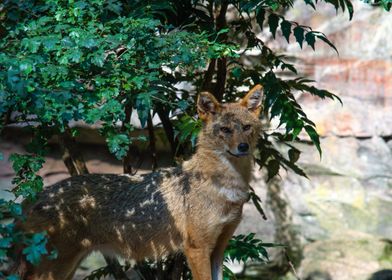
(231, 129)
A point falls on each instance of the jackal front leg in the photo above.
(197, 249)
(217, 255)
(199, 261)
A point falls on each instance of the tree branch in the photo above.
(206, 86)
(221, 23)
(151, 136)
(127, 165)
(220, 78)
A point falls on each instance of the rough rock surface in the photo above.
(343, 213)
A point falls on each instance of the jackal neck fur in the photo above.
(229, 176)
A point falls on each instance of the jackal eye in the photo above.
(225, 129)
(246, 127)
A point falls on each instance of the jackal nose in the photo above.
(243, 147)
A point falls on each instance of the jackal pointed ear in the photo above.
(207, 105)
(252, 100)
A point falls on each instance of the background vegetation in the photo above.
(98, 61)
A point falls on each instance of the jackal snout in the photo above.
(243, 147)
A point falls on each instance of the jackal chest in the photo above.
(222, 212)
(233, 195)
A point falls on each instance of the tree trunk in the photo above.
(169, 130)
(220, 79)
(207, 82)
(72, 157)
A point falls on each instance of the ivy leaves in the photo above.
(27, 182)
(36, 247)
(187, 129)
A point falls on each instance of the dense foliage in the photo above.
(97, 61)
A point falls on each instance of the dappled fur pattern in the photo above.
(194, 208)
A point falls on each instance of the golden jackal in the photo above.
(194, 208)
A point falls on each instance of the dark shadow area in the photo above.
(318, 275)
(385, 274)
(125, 215)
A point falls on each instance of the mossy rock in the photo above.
(352, 256)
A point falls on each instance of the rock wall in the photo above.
(343, 213)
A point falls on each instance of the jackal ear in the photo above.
(207, 105)
(252, 100)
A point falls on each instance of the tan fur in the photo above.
(194, 208)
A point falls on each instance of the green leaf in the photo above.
(294, 155)
(183, 104)
(290, 67)
(187, 129)
(350, 8)
(386, 4)
(322, 37)
(286, 29)
(272, 168)
(76, 55)
(310, 2)
(98, 59)
(310, 39)
(236, 72)
(257, 203)
(143, 106)
(273, 22)
(15, 209)
(260, 17)
(299, 35)
(12, 277)
(246, 248)
(118, 144)
(223, 31)
(314, 137)
(228, 274)
(36, 248)
(5, 242)
(115, 6)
